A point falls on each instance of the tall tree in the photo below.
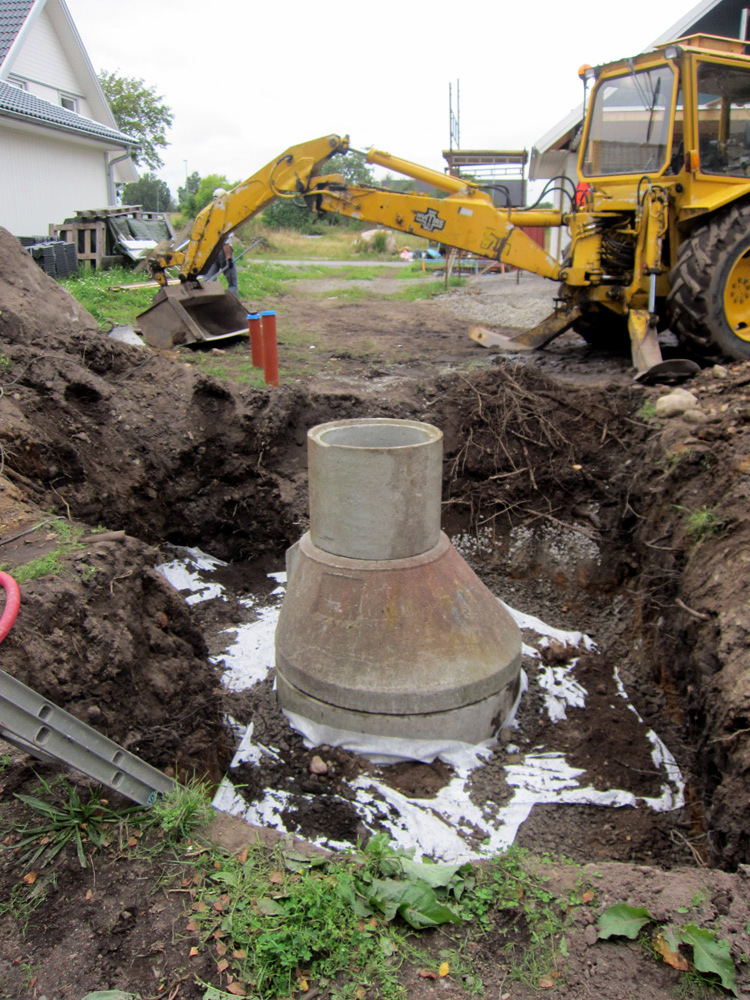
(150, 192)
(186, 195)
(141, 112)
(206, 189)
(352, 165)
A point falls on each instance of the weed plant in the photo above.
(24, 899)
(67, 817)
(512, 893)
(278, 919)
(277, 923)
(178, 815)
(702, 523)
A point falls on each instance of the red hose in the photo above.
(12, 603)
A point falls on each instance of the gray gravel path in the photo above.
(515, 300)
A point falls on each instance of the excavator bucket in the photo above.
(185, 314)
(530, 340)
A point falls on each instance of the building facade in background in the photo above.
(60, 148)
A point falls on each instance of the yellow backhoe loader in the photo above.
(658, 226)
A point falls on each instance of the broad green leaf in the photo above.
(622, 920)
(213, 994)
(438, 876)
(671, 935)
(227, 877)
(361, 908)
(295, 862)
(270, 907)
(710, 954)
(415, 902)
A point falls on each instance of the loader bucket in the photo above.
(186, 314)
(529, 340)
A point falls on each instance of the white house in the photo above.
(60, 148)
(556, 152)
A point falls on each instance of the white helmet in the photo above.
(219, 193)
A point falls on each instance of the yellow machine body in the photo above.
(658, 228)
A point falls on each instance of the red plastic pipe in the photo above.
(270, 353)
(12, 603)
(256, 342)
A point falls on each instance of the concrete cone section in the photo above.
(385, 630)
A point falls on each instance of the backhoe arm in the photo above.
(465, 219)
(286, 176)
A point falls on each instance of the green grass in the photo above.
(354, 294)
(233, 366)
(283, 921)
(259, 278)
(95, 291)
(52, 562)
(277, 923)
(24, 900)
(329, 243)
(178, 815)
(514, 886)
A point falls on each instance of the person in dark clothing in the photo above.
(225, 260)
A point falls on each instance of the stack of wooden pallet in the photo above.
(92, 235)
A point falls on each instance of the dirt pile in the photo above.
(109, 640)
(33, 307)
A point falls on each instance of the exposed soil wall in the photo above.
(691, 531)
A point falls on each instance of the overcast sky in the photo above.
(246, 80)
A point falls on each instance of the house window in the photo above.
(68, 102)
(17, 81)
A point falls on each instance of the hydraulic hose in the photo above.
(12, 604)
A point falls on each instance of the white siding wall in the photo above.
(43, 62)
(46, 180)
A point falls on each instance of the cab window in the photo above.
(723, 119)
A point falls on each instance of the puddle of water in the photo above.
(449, 828)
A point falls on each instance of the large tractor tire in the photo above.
(709, 301)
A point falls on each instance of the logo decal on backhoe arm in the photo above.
(429, 220)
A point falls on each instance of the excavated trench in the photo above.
(535, 485)
(568, 501)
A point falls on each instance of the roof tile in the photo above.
(18, 103)
(12, 15)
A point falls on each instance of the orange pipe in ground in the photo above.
(270, 354)
(256, 342)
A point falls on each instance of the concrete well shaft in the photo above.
(375, 487)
